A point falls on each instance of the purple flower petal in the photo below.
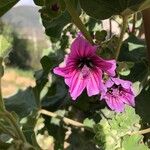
(108, 66)
(128, 97)
(124, 83)
(119, 92)
(77, 85)
(83, 69)
(82, 48)
(94, 82)
(115, 104)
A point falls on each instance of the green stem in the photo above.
(13, 122)
(123, 30)
(2, 106)
(77, 21)
(146, 17)
(6, 115)
(7, 130)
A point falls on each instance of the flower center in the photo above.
(115, 90)
(84, 61)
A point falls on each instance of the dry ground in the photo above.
(15, 79)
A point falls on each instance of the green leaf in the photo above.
(123, 123)
(110, 131)
(103, 9)
(4, 46)
(22, 103)
(81, 140)
(57, 121)
(28, 125)
(133, 49)
(6, 5)
(101, 35)
(134, 142)
(47, 63)
(54, 27)
(143, 103)
(89, 123)
(39, 2)
(56, 96)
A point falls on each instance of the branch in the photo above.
(145, 131)
(123, 30)
(77, 21)
(78, 124)
(65, 119)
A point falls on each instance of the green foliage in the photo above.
(89, 123)
(133, 49)
(6, 5)
(133, 142)
(112, 132)
(55, 26)
(23, 100)
(100, 35)
(102, 9)
(103, 129)
(54, 16)
(39, 2)
(143, 102)
(4, 46)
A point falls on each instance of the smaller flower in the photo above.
(118, 92)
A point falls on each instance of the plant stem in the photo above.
(2, 106)
(110, 28)
(134, 22)
(5, 114)
(7, 130)
(65, 119)
(77, 21)
(13, 122)
(120, 40)
(145, 131)
(146, 20)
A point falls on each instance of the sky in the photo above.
(25, 2)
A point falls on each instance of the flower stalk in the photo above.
(2, 106)
(120, 40)
(146, 16)
(8, 117)
(77, 21)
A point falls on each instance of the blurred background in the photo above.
(22, 43)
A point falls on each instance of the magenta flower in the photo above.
(118, 92)
(83, 68)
